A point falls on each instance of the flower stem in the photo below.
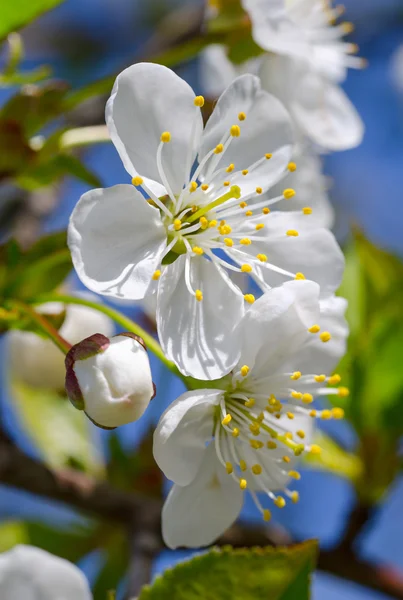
(121, 320)
(43, 324)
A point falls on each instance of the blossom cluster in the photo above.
(241, 195)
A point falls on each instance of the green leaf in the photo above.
(41, 269)
(60, 431)
(18, 13)
(11, 534)
(245, 574)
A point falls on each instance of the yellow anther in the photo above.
(314, 329)
(268, 156)
(256, 444)
(307, 398)
(334, 379)
(225, 229)
(254, 428)
(299, 449)
(199, 295)
(261, 257)
(242, 116)
(235, 432)
(325, 336)
(137, 180)
(194, 208)
(265, 210)
(229, 468)
(259, 190)
(204, 187)
(326, 415)
(260, 417)
(296, 395)
(248, 213)
(259, 226)
(244, 370)
(245, 242)
(257, 469)
(272, 400)
(290, 415)
(228, 242)
(199, 101)
(246, 268)
(288, 193)
(315, 449)
(250, 402)
(165, 137)
(226, 420)
(343, 392)
(177, 224)
(266, 515)
(218, 149)
(288, 435)
(197, 250)
(286, 459)
(301, 434)
(249, 298)
(294, 497)
(235, 131)
(295, 475)
(347, 27)
(242, 465)
(156, 275)
(213, 223)
(243, 484)
(230, 168)
(296, 375)
(243, 204)
(245, 172)
(338, 413)
(307, 210)
(320, 378)
(279, 501)
(292, 167)
(203, 222)
(299, 276)
(312, 413)
(226, 183)
(193, 187)
(271, 445)
(292, 233)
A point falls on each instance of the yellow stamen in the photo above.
(203, 222)
(296, 395)
(204, 187)
(296, 375)
(250, 402)
(292, 167)
(197, 250)
(314, 329)
(299, 276)
(279, 501)
(235, 131)
(156, 275)
(334, 379)
(307, 398)
(165, 137)
(292, 233)
(301, 434)
(226, 183)
(248, 213)
(288, 193)
(259, 190)
(245, 172)
(230, 168)
(259, 226)
(137, 180)
(338, 413)
(226, 420)
(343, 392)
(325, 336)
(315, 450)
(177, 224)
(244, 370)
(271, 445)
(266, 515)
(243, 484)
(256, 469)
(235, 432)
(261, 257)
(242, 465)
(295, 497)
(242, 116)
(243, 204)
(307, 210)
(268, 156)
(320, 378)
(290, 415)
(218, 149)
(326, 415)
(265, 210)
(295, 475)
(245, 242)
(199, 101)
(286, 459)
(312, 413)
(249, 298)
(229, 468)
(246, 268)
(199, 295)
(228, 242)
(256, 444)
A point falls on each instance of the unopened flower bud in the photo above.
(109, 378)
(29, 572)
(36, 361)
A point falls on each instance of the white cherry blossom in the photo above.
(216, 443)
(29, 573)
(197, 223)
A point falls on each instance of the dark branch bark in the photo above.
(142, 515)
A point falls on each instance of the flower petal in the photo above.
(323, 358)
(197, 514)
(313, 252)
(29, 572)
(197, 336)
(182, 433)
(116, 239)
(266, 129)
(326, 114)
(147, 100)
(282, 315)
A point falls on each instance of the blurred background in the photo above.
(86, 40)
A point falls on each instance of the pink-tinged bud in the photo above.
(109, 378)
